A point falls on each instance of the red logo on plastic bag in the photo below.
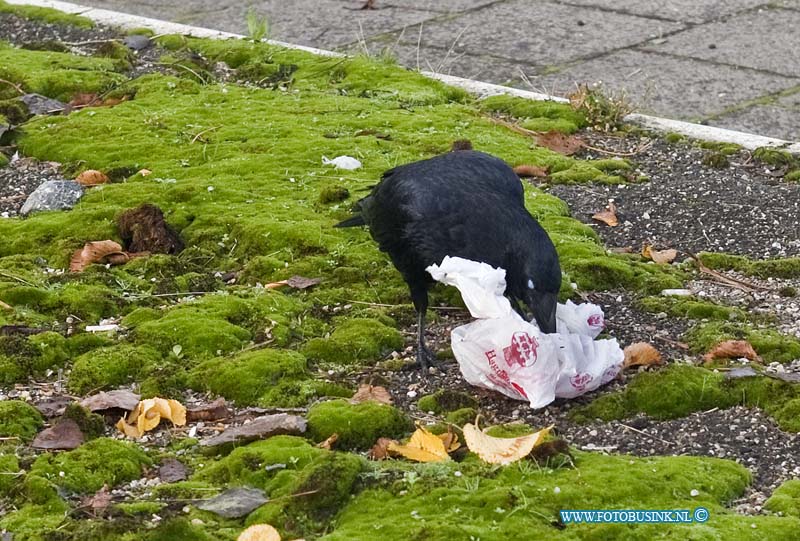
(522, 350)
(580, 381)
(596, 320)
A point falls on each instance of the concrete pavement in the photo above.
(727, 63)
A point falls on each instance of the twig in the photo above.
(727, 280)
(680, 345)
(16, 87)
(17, 278)
(196, 137)
(643, 433)
(641, 148)
(90, 42)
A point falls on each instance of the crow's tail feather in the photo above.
(353, 221)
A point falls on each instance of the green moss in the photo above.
(324, 487)
(769, 344)
(47, 15)
(510, 430)
(110, 367)
(717, 160)
(91, 424)
(446, 400)
(358, 425)
(792, 176)
(693, 309)
(90, 466)
(461, 416)
(774, 156)
(139, 316)
(140, 508)
(9, 470)
(726, 149)
(333, 194)
(674, 137)
(19, 419)
(763, 268)
(536, 115)
(32, 522)
(355, 340)
(267, 377)
(3, 159)
(520, 503)
(785, 499)
(678, 390)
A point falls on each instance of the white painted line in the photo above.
(479, 88)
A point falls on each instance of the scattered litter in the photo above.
(503, 352)
(102, 328)
(501, 450)
(342, 162)
(676, 292)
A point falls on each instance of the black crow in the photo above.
(466, 204)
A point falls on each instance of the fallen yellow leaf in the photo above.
(259, 532)
(501, 450)
(148, 414)
(422, 447)
(91, 177)
(608, 216)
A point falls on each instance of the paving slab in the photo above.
(693, 11)
(545, 34)
(659, 83)
(766, 39)
(318, 23)
(770, 120)
(446, 6)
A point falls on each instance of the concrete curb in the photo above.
(479, 88)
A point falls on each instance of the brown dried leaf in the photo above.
(83, 99)
(99, 501)
(662, 257)
(608, 216)
(501, 450)
(93, 252)
(144, 229)
(732, 349)
(209, 412)
(559, 142)
(380, 450)
(530, 171)
(450, 440)
(53, 406)
(300, 282)
(329, 442)
(260, 428)
(259, 532)
(121, 399)
(91, 177)
(641, 354)
(65, 435)
(375, 393)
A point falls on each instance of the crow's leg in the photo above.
(425, 357)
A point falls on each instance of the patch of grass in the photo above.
(788, 267)
(786, 499)
(19, 419)
(47, 15)
(694, 309)
(769, 344)
(358, 425)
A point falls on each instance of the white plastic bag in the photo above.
(503, 352)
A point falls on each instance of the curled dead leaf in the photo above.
(608, 216)
(329, 442)
(661, 257)
(144, 172)
(732, 349)
(259, 532)
(560, 142)
(94, 252)
(641, 354)
(501, 450)
(380, 450)
(450, 440)
(422, 447)
(91, 177)
(530, 171)
(99, 501)
(374, 393)
(148, 414)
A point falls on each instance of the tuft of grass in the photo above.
(257, 25)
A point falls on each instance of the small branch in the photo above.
(727, 280)
(643, 433)
(17, 278)
(196, 137)
(15, 86)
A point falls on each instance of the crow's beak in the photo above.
(543, 308)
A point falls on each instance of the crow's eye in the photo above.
(530, 284)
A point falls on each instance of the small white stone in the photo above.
(557, 490)
(457, 473)
(411, 394)
(694, 493)
(210, 188)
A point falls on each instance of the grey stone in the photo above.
(137, 42)
(694, 11)
(743, 372)
(41, 105)
(260, 428)
(53, 195)
(235, 503)
(769, 120)
(657, 83)
(548, 35)
(766, 39)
